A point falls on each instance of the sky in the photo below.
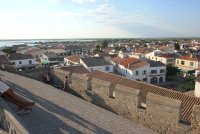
(59, 19)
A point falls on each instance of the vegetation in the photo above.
(177, 46)
(172, 70)
(187, 85)
(9, 50)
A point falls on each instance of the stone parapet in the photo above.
(163, 108)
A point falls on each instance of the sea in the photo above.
(4, 43)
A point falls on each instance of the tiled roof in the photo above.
(76, 69)
(4, 59)
(190, 57)
(167, 55)
(154, 63)
(19, 56)
(142, 50)
(137, 65)
(187, 101)
(74, 58)
(127, 61)
(95, 61)
(51, 55)
(118, 59)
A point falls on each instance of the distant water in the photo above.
(31, 42)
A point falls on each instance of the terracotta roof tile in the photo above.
(74, 58)
(190, 57)
(187, 101)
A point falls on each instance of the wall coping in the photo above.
(158, 99)
(105, 83)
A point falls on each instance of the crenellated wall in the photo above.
(159, 113)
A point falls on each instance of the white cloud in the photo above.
(83, 1)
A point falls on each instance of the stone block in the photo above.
(163, 108)
(126, 101)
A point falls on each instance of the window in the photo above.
(91, 69)
(107, 68)
(162, 70)
(182, 62)
(20, 62)
(177, 62)
(191, 64)
(30, 61)
(144, 72)
(13, 63)
(137, 73)
(153, 71)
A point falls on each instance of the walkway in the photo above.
(59, 112)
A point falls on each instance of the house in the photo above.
(123, 54)
(22, 61)
(96, 63)
(143, 70)
(157, 72)
(141, 52)
(51, 58)
(72, 60)
(76, 50)
(188, 63)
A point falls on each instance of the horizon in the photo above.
(89, 19)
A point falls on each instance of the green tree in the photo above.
(104, 44)
(9, 50)
(177, 46)
(172, 70)
(97, 47)
(187, 85)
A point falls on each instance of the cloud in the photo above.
(83, 1)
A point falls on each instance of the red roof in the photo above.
(190, 57)
(167, 55)
(127, 61)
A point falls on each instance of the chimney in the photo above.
(191, 55)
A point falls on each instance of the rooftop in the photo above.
(19, 56)
(58, 112)
(95, 61)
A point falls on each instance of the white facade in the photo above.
(23, 63)
(106, 68)
(197, 89)
(157, 74)
(145, 73)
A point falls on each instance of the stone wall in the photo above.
(161, 114)
(9, 121)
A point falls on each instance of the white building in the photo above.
(147, 71)
(22, 61)
(96, 63)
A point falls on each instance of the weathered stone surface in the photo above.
(126, 101)
(163, 108)
(59, 112)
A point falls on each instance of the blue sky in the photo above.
(28, 19)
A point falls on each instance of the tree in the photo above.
(177, 46)
(172, 70)
(187, 85)
(104, 44)
(9, 50)
(98, 47)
